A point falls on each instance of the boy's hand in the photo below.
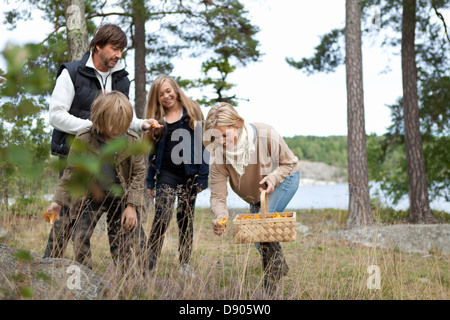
(129, 218)
(55, 208)
(52, 213)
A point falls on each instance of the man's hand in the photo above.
(129, 218)
(150, 124)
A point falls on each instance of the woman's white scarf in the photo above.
(239, 155)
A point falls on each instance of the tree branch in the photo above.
(51, 34)
(122, 14)
(96, 15)
(217, 6)
(171, 12)
(440, 16)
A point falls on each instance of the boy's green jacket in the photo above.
(131, 171)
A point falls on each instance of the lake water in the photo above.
(334, 196)
(329, 196)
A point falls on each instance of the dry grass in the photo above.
(320, 268)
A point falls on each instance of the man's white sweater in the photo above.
(64, 93)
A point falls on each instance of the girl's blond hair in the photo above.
(155, 110)
(111, 112)
(221, 115)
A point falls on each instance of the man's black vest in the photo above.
(87, 88)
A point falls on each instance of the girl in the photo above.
(177, 167)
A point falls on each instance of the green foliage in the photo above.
(217, 30)
(331, 150)
(30, 206)
(228, 36)
(435, 106)
(23, 256)
(387, 215)
(26, 292)
(386, 160)
(21, 76)
(386, 154)
(219, 84)
(328, 54)
(387, 164)
(41, 275)
(24, 141)
(437, 155)
(86, 166)
(432, 45)
(389, 168)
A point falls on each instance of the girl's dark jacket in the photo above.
(194, 155)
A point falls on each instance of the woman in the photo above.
(252, 158)
(177, 167)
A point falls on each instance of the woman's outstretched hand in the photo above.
(219, 226)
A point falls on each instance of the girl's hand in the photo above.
(269, 185)
(151, 193)
(129, 218)
(200, 190)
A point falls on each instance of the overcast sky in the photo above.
(279, 95)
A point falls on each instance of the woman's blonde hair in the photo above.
(111, 112)
(221, 115)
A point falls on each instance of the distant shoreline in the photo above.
(319, 173)
(314, 182)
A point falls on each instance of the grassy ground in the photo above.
(320, 268)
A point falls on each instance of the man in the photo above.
(78, 84)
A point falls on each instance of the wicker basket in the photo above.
(266, 229)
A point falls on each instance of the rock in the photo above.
(101, 227)
(302, 228)
(313, 173)
(3, 233)
(426, 238)
(26, 275)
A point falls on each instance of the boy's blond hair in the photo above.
(111, 112)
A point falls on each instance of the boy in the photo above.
(119, 190)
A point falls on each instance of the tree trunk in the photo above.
(359, 210)
(419, 207)
(139, 58)
(77, 36)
